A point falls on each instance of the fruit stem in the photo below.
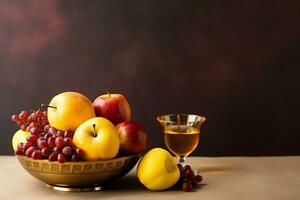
(95, 134)
(44, 105)
(108, 93)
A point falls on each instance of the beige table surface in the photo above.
(224, 178)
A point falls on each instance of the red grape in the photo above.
(69, 134)
(20, 145)
(52, 130)
(35, 131)
(32, 124)
(23, 127)
(32, 138)
(46, 152)
(67, 150)
(33, 116)
(57, 149)
(60, 133)
(23, 115)
(180, 167)
(187, 167)
(29, 151)
(28, 128)
(29, 119)
(194, 183)
(47, 135)
(198, 178)
(46, 128)
(39, 113)
(36, 155)
(187, 186)
(19, 151)
(26, 145)
(42, 144)
(74, 158)
(39, 140)
(68, 141)
(53, 157)
(19, 123)
(59, 142)
(189, 174)
(79, 152)
(51, 142)
(15, 117)
(61, 158)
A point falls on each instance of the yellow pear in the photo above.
(158, 170)
(68, 110)
(98, 138)
(19, 136)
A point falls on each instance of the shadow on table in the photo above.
(126, 183)
(125, 186)
(131, 183)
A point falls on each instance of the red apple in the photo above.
(113, 107)
(133, 137)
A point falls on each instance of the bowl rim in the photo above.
(78, 162)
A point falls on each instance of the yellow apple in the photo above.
(68, 110)
(19, 136)
(158, 170)
(98, 138)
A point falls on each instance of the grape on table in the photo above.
(188, 180)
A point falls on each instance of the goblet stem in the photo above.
(181, 159)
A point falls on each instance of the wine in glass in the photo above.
(181, 133)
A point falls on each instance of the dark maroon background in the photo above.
(236, 62)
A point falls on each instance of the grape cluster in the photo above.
(188, 180)
(44, 141)
(26, 121)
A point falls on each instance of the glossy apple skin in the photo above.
(71, 109)
(113, 107)
(133, 138)
(100, 143)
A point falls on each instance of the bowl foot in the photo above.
(74, 189)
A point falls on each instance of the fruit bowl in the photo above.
(78, 176)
